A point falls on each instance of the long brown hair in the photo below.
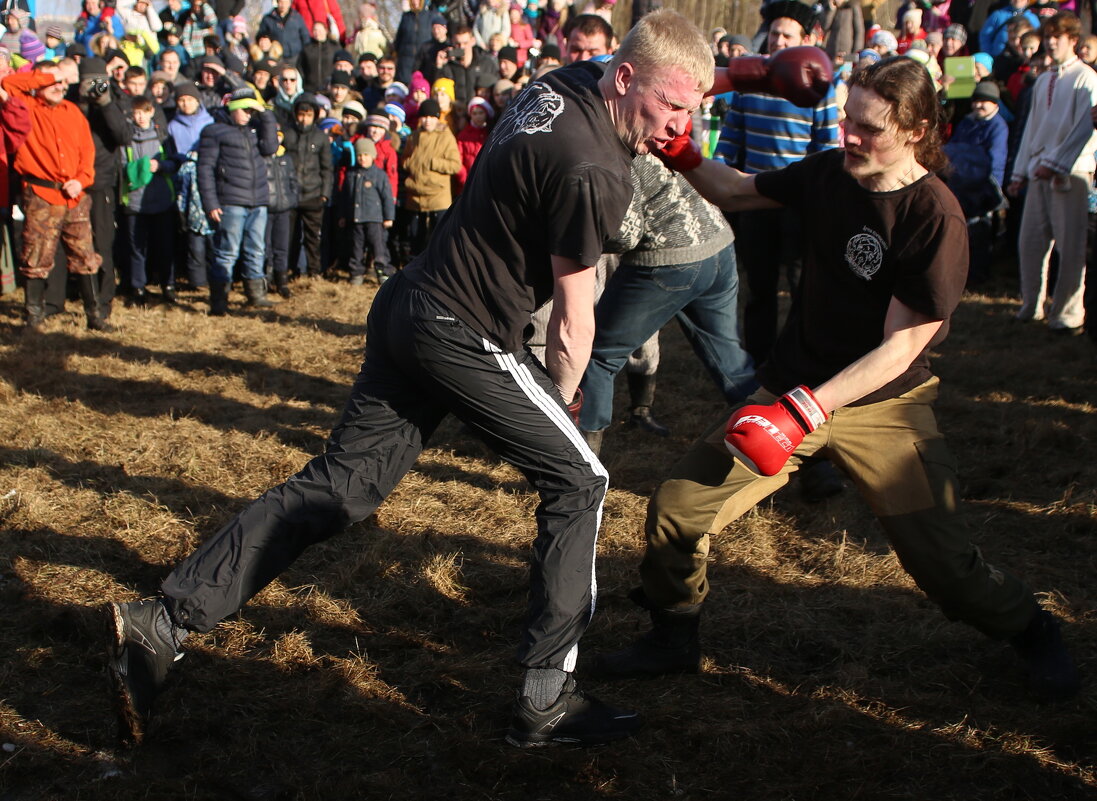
(906, 86)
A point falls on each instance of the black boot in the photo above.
(169, 294)
(218, 299)
(641, 390)
(89, 293)
(35, 294)
(256, 290)
(594, 440)
(672, 646)
(281, 282)
(138, 298)
(1051, 672)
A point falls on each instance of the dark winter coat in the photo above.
(311, 152)
(282, 180)
(411, 34)
(232, 170)
(110, 131)
(465, 78)
(315, 63)
(367, 196)
(290, 32)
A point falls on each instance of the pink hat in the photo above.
(239, 25)
(418, 83)
(485, 105)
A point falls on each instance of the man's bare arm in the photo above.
(570, 334)
(906, 334)
(727, 187)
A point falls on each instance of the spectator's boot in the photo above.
(672, 646)
(256, 290)
(138, 298)
(281, 283)
(169, 295)
(594, 440)
(641, 390)
(218, 299)
(89, 293)
(35, 292)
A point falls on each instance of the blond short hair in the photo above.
(665, 38)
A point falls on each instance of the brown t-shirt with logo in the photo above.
(862, 249)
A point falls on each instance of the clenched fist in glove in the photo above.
(764, 437)
(681, 153)
(801, 75)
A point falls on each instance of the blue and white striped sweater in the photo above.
(764, 132)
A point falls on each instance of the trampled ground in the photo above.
(380, 665)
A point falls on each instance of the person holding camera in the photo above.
(467, 64)
(109, 133)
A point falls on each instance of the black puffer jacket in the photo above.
(282, 180)
(315, 64)
(311, 152)
(232, 170)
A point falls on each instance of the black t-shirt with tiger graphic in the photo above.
(553, 179)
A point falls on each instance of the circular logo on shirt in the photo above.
(864, 254)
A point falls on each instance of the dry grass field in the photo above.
(380, 666)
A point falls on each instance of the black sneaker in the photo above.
(139, 662)
(1051, 672)
(575, 718)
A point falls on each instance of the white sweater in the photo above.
(1061, 136)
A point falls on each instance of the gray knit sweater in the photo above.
(667, 222)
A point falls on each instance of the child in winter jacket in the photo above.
(368, 211)
(148, 204)
(430, 157)
(471, 139)
(284, 196)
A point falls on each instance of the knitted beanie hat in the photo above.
(365, 145)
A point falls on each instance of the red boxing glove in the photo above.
(681, 153)
(801, 75)
(576, 406)
(764, 437)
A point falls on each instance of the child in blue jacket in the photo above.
(368, 210)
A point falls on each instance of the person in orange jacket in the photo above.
(57, 163)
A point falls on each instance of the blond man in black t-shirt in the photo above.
(849, 379)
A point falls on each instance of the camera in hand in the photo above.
(97, 87)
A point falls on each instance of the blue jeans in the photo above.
(242, 232)
(638, 301)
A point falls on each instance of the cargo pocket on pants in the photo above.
(940, 471)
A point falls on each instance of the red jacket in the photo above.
(469, 142)
(15, 126)
(313, 10)
(59, 147)
(388, 160)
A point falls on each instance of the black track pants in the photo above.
(421, 363)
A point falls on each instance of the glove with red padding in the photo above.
(681, 153)
(764, 437)
(801, 75)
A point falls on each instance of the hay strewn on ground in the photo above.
(380, 665)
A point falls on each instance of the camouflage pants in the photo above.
(46, 224)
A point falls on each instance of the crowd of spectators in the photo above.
(222, 148)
